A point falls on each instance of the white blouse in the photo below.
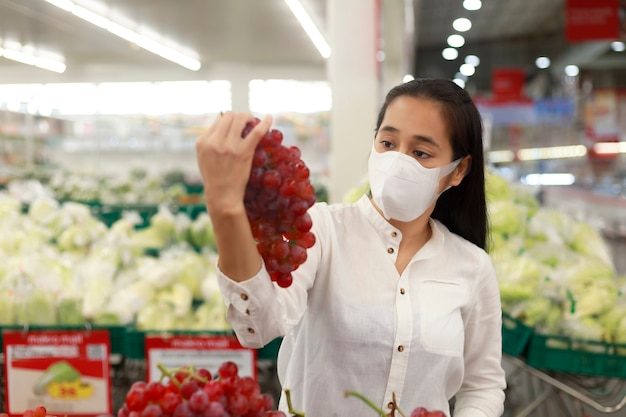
(351, 322)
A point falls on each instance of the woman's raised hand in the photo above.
(225, 159)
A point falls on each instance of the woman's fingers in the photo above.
(257, 133)
(223, 125)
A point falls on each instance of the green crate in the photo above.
(270, 351)
(194, 187)
(515, 336)
(116, 333)
(584, 357)
(193, 210)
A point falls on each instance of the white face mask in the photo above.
(401, 187)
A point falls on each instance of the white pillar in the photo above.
(353, 27)
(398, 36)
(240, 79)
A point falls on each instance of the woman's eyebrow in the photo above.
(427, 139)
(420, 138)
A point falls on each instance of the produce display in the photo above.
(60, 266)
(278, 195)
(555, 272)
(137, 186)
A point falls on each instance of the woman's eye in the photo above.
(386, 144)
(421, 154)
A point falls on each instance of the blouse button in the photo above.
(244, 296)
(390, 405)
(400, 348)
(250, 330)
(394, 234)
(390, 250)
(402, 291)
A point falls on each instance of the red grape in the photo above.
(152, 410)
(136, 399)
(198, 401)
(238, 404)
(169, 402)
(188, 388)
(154, 391)
(215, 409)
(228, 369)
(182, 410)
(40, 411)
(214, 390)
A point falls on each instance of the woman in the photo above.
(398, 296)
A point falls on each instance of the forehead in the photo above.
(417, 116)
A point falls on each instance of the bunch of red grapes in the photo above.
(39, 411)
(194, 392)
(278, 196)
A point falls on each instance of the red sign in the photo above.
(200, 351)
(66, 372)
(587, 20)
(508, 84)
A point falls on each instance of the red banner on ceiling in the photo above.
(588, 20)
(508, 83)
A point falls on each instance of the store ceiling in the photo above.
(264, 33)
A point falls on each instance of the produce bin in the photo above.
(515, 336)
(584, 357)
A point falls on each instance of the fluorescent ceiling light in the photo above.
(462, 24)
(618, 46)
(407, 78)
(473, 60)
(456, 41)
(572, 70)
(467, 70)
(553, 152)
(542, 62)
(459, 82)
(34, 60)
(309, 27)
(450, 54)
(501, 156)
(472, 4)
(130, 35)
(549, 179)
(609, 147)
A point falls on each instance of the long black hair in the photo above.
(463, 209)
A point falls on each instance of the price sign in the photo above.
(199, 351)
(66, 372)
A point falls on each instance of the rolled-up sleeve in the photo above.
(250, 312)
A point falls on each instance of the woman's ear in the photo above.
(461, 170)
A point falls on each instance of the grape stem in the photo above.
(189, 371)
(366, 400)
(395, 406)
(290, 405)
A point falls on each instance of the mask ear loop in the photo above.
(447, 170)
